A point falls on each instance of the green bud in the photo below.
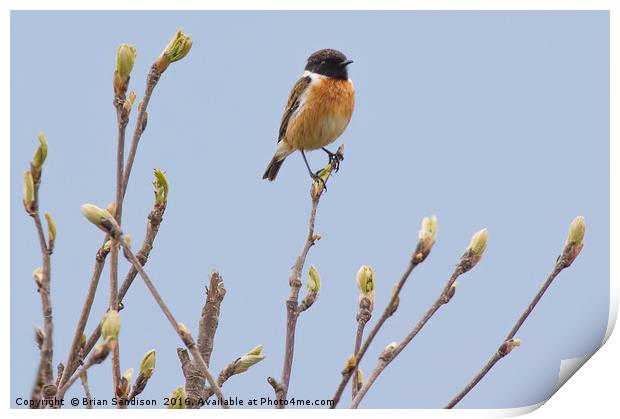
(576, 231)
(360, 379)
(388, 351)
(183, 328)
(111, 208)
(177, 398)
(177, 49)
(83, 341)
(396, 303)
(51, 227)
(426, 236)
(161, 187)
(574, 241)
(251, 358)
(314, 280)
(28, 190)
(40, 153)
(125, 59)
(508, 346)
(350, 364)
(102, 219)
(185, 334)
(478, 242)
(38, 276)
(256, 350)
(366, 279)
(111, 325)
(125, 384)
(391, 346)
(128, 104)
(147, 365)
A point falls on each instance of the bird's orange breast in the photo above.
(324, 115)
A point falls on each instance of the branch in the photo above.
(87, 392)
(194, 381)
(152, 227)
(469, 259)
(122, 117)
(423, 248)
(44, 376)
(225, 374)
(181, 330)
(101, 353)
(572, 248)
(210, 316)
(141, 121)
(364, 314)
(76, 345)
(292, 302)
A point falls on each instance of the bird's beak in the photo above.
(345, 63)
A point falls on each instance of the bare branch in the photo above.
(185, 336)
(87, 392)
(141, 121)
(76, 343)
(292, 302)
(364, 314)
(44, 375)
(502, 351)
(210, 316)
(467, 261)
(389, 310)
(152, 228)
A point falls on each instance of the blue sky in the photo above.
(486, 119)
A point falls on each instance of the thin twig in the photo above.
(154, 221)
(500, 353)
(225, 374)
(116, 368)
(390, 309)
(184, 335)
(63, 389)
(445, 296)
(141, 121)
(44, 375)
(75, 350)
(122, 116)
(292, 312)
(154, 218)
(363, 316)
(87, 392)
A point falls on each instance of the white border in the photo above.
(592, 392)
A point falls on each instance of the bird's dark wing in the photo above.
(293, 104)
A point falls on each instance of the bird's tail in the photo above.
(274, 167)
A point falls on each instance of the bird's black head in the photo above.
(329, 62)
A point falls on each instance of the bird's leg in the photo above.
(315, 177)
(334, 158)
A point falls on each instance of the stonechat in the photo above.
(318, 110)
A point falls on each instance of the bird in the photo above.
(317, 112)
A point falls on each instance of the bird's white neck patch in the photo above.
(313, 76)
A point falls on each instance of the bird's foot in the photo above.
(334, 159)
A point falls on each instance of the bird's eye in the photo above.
(323, 62)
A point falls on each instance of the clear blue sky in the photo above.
(486, 119)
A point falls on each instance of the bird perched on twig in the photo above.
(317, 112)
